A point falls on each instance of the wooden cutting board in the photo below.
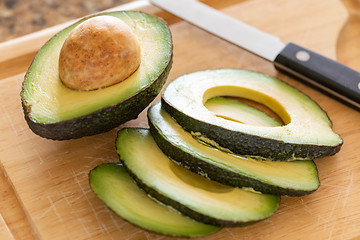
(44, 184)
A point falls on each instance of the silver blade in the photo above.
(224, 26)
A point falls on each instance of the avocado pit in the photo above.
(100, 52)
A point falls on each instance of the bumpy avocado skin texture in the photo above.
(101, 120)
(246, 144)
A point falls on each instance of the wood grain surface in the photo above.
(44, 184)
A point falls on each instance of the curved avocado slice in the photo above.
(191, 194)
(307, 132)
(240, 112)
(57, 112)
(293, 178)
(113, 185)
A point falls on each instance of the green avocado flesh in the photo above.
(57, 112)
(113, 185)
(191, 194)
(293, 178)
(306, 134)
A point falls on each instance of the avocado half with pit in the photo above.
(306, 134)
(58, 111)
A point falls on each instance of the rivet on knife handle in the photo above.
(324, 73)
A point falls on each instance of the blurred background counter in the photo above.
(21, 17)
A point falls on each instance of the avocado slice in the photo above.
(57, 112)
(307, 133)
(295, 178)
(113, 185)
(193, 195)
(240, 112)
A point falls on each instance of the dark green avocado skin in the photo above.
(251, 145)
(218, 174)
(102, 120)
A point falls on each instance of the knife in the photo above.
(321, 72)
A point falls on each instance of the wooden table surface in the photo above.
(44, 192)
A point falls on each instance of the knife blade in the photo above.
(321, 72)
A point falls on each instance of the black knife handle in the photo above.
(326, 74)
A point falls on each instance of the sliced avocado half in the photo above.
(113, 185)
(193, 195)
(54, 111)
(293, 178)
(307, 133)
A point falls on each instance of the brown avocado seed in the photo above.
(100, 52)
